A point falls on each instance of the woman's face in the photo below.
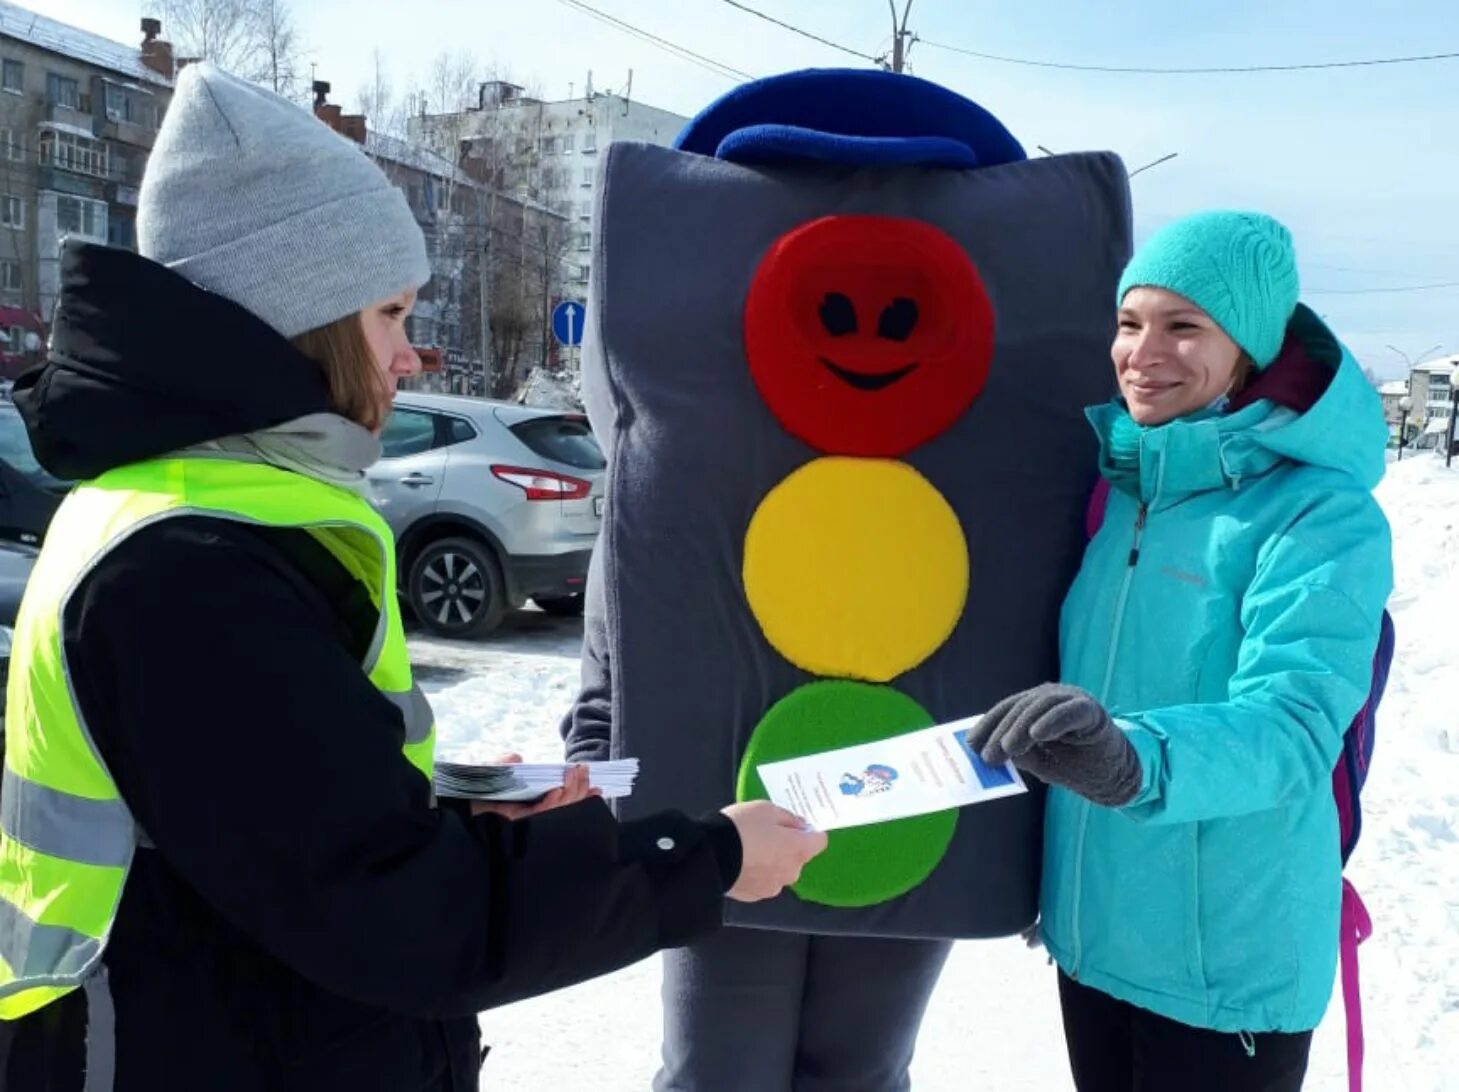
(1170, 357)
(384, 326)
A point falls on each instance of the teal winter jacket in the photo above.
(1226, 614)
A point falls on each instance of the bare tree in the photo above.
(376, 99)
(278, 47)
(254, 39)
(453, 81)
(221, 31)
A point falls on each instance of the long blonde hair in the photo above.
(356, 389)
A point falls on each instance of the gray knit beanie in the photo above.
(255, 199)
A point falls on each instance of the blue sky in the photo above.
(1361, 163)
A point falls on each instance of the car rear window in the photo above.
(565, 440)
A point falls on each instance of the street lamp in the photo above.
(1156, 163)
(1411, 364)
(1405, 404)
(1453, 412)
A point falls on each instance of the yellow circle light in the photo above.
(856, 568)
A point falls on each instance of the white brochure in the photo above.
(923, 771)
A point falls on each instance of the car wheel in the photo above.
(455, 588)
(560, 606)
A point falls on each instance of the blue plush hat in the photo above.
(1238, 267)
(858, 117)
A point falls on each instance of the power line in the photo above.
(1377, 291)
(1191, 71)
(663, 43)
(803, 33)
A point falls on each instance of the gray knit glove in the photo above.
(1062, 736)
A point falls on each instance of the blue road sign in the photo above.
(567, 322)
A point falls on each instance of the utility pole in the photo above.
(901, 46)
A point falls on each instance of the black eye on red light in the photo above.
(898, 320)
(838, 315)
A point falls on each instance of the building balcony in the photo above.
(129, 132)
(122, 193)
(64, 181)
(72, 116)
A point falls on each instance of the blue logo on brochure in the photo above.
(876, 778)
(990, 777)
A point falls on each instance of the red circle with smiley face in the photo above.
(868, 335)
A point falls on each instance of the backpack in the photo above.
(1348, 778)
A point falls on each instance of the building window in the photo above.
(73, 153)
(12, 211)
(13, 78)
(585, 240)
(549, 145)
(583, 273)
(63, 91)
(81, 216)
(10, 146)
(587, 176)
(590, 142)
(118, 104)
(10, 276)
(567, 144)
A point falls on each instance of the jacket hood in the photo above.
(1343, 429)
(144, 363)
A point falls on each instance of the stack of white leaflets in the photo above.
(521, 782)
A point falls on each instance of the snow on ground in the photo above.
(505, 693)
(993, 1022)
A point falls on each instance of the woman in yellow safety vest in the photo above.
(221, 866)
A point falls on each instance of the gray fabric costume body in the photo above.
(676, 669)
(692, 450)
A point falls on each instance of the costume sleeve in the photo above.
(587, 729)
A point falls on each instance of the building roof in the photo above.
(81, 45)
(1394, 387)
(420, 158)
(415, 156)
(1444, 365)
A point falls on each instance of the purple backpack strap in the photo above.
(1347, 783)
(1356, 927)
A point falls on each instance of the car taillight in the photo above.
(543, 484)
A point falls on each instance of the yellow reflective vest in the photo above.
(66, 835)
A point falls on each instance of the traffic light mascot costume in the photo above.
(840, 339)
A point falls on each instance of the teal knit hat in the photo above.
(1238, 267)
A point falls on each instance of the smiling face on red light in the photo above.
(867, 335)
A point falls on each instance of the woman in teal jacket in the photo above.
(1216, 644)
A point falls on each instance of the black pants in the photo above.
(1117, 1047)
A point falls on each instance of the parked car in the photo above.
(29, 496)
(492, 504)
(15, 564)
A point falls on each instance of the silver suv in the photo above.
(491, 503)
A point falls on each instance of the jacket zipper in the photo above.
(1141, 517)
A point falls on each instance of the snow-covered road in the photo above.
(993, 1022)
